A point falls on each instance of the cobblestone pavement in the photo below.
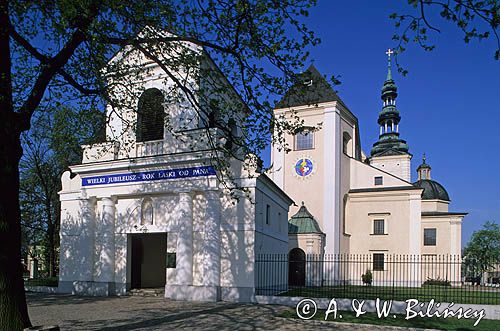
(157, 313)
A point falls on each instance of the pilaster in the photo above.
(185, 240)
(212, 239)
(105, 242)
(88, 238)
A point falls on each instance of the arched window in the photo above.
(347, 144)
(147, 212)
(150, 115)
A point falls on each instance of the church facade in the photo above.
(363, 204)
(148, 208)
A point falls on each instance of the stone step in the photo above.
(147, 292)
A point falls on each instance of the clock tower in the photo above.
(310, 169)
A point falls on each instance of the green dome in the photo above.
(303, 222)
(389, 89)
(389, 144)
(432, 190)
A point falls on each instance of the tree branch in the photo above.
(139, 41)
(425, 19)
(79, 87)
(46, 60)
(55, 64)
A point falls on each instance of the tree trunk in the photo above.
(13, 308)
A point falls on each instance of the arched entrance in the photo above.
(297, 267)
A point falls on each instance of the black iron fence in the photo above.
(444, 278)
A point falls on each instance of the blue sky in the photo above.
(449, 102)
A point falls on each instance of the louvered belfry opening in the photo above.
(150, 115)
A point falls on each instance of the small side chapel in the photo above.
(147, 209)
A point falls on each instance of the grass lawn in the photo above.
(417, 322)
(488, 296)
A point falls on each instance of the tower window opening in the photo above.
(150, 115)
(304, 140)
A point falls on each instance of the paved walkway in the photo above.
(157, 313)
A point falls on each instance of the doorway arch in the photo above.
(297, 267)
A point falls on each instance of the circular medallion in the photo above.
(304, 167)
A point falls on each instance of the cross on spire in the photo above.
(389, 52)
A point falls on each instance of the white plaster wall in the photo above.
(172, 239)
(199, 258)
(398, 165)
(415, 220)
(362, 176)
(276, 173)
(435, 205)
(121, 256)
(395, 208)
(77, 240)
(345, 185)
(448, 234)
(310, 243)
(237, 242)
(331, 193)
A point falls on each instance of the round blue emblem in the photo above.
(303, 167)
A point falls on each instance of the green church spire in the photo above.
(389, 118)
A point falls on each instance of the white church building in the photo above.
(148, 209)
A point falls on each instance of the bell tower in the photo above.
(390, 153)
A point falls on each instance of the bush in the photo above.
(367, 278)
(52, 282)
(437, 281)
